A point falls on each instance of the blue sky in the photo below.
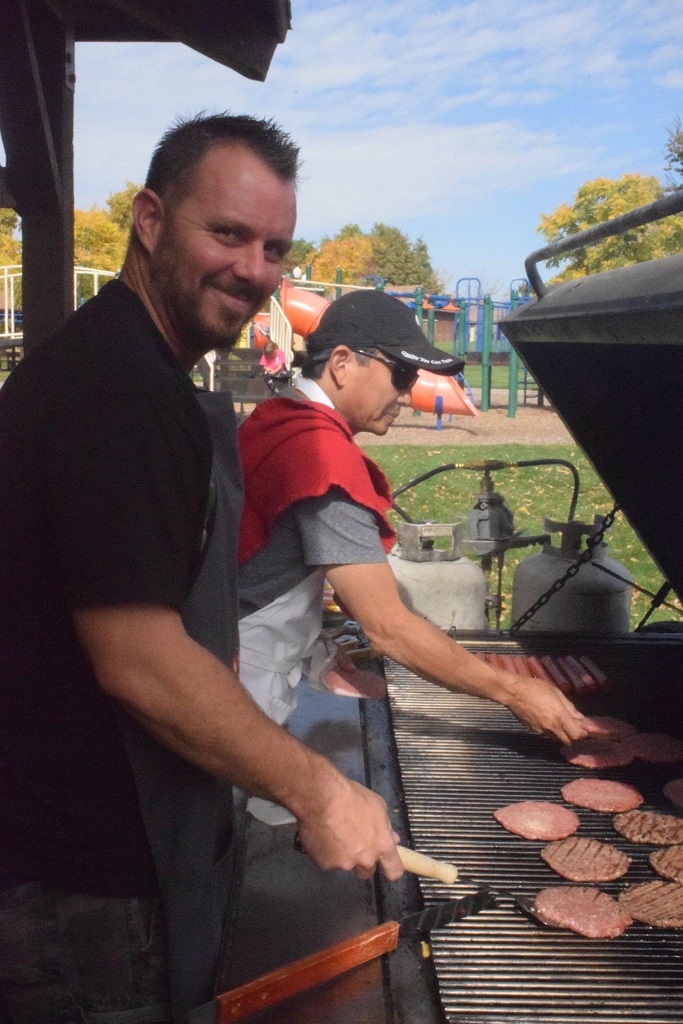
(458, 122)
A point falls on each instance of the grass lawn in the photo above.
(530, 492)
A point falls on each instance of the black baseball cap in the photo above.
(373, 319)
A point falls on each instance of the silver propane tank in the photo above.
(589, 602)
(437, 582)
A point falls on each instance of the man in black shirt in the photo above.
(122, 722)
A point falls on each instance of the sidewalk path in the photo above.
(530, 425)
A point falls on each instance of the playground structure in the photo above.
(466, 323)
(303, 309)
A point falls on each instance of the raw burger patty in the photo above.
(582, 909)
(649, 827)
(585, 860)
(612, 728)
(602, 795)
(590, 753)
(674, 791)
(669, 863)
(657, 903)
(536, 819)
(655, 747)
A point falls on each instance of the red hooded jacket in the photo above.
(292, 450)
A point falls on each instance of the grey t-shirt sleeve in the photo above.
(335, 530)
(330, 530)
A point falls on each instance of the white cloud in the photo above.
(400, 172)
(408, 107)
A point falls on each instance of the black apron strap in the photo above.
(188, 814)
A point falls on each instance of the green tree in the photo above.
(400, 261)
(120, 206)
(10, 246)
(674, 157)
(385, 252)
(301, 253)
(600, 200)
(349, 231)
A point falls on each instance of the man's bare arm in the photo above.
(143, 658)
(370, 593)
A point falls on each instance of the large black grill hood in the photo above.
(608, 352)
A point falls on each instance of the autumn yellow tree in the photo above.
(351, 251)
(598, 201)
(10, 246)
(99, 243)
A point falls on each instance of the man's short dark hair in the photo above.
(186, 143)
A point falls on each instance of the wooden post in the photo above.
(37, 80)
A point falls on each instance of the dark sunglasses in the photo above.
(403, 377)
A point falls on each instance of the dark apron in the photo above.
(188, 814)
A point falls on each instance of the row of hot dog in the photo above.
(574, 676)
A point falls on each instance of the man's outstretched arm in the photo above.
(371, 595)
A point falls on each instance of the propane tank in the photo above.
(589, 602)
(437, 582)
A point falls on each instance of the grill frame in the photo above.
(498, 966)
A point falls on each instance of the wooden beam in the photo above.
(7, 200)
(36, 112)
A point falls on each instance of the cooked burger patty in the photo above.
(656, 903)
(602, 795)
(583, 909)
(669, 863)
(536, 819)
(612, 728)
(649, 827)
(598, 753)
(655, 747)
(674, 791)
(585, 860)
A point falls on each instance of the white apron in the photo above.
(275, 643)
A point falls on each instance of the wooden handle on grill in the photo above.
(303, 974)
(420, 864)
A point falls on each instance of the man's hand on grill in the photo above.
(350, 829)
(544, 709)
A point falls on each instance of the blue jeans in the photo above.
(71, 958)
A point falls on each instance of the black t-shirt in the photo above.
(105, 462)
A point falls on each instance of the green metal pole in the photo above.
(461, 339)
(430, 325)
(513, 368)
(339, 278)
(308, 271)
(419, 303)
(486, 346)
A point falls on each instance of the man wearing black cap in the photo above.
(315, 508)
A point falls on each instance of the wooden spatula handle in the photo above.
(420, 864)
(305, 973)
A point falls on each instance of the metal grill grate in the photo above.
(460, 759)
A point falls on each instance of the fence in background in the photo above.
(87, 282)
